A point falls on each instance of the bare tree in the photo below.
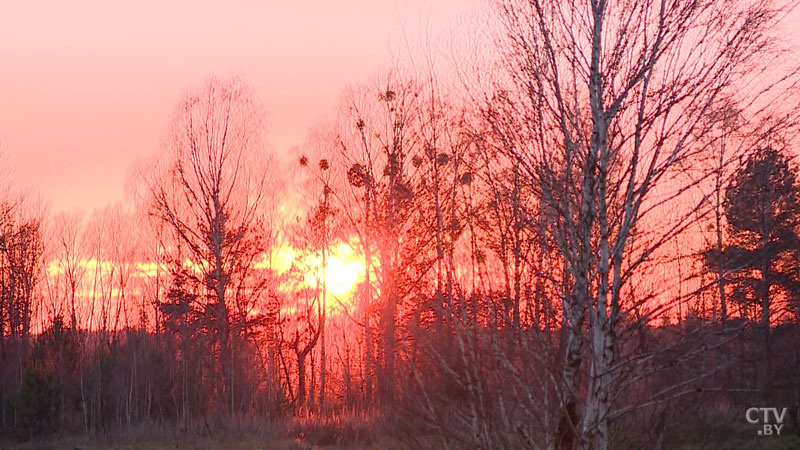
(70, 263)
(727, 120)
(380, 131)
(612, 98)
(211, 195)
(322, 236)
(21, 264)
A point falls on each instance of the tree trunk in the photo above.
(322, 361)
(301, 380)
(765, 323)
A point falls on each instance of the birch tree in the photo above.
(613, 97)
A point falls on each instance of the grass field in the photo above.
(199, 443)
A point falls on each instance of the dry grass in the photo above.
(331, 432)
(199, 443)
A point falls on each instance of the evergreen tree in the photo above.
(762, 208)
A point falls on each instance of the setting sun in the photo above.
(343, 275)
(344, 271)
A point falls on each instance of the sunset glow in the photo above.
(400, 224)
(344, 271)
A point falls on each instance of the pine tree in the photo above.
(762, 208)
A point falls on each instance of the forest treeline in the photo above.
(590, 241)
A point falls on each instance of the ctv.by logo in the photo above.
(764, 416)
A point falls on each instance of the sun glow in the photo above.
(343, 275)
(344, 270)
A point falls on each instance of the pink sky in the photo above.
(87, 88)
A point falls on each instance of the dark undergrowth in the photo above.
(331, 432)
